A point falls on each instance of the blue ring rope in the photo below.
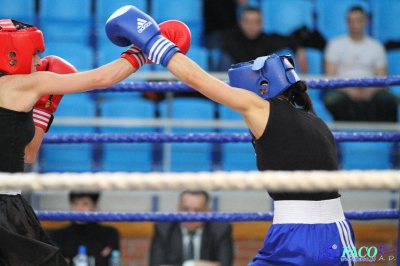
(177, 86)
(188, 217)
(202, 137)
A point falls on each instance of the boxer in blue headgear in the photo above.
(267, 76)
(309, 228)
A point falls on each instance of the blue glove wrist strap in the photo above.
(159, 50)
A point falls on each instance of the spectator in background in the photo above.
(247, 41)
(356, 55)
(218, 15)
(172, 242)
(99, 240)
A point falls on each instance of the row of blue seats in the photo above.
(329, 18)
(67, 25)
(140, 156)
(174, 156)
(72, 19)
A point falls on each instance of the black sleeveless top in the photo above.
(296, 140)
(16, 131)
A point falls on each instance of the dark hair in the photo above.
(356, 9)
(78, 195)
(251, 9)
(298, 96)
(196, 192)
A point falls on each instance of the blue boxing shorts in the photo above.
(307, 233)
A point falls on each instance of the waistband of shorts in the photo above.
(10, 192)
(308, 212)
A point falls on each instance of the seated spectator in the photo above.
(247, 41)
(198, 243)
(218, 15)
(99, 240)
(356, 55)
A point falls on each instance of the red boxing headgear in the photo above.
(18, 43)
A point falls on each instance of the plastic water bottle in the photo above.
(115, 259)
(81, 259)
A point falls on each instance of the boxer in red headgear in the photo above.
(30, 90)
(19, 42)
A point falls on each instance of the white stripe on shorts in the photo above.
(345, 238)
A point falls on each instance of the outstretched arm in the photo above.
(120, 29)
(22, 91)
(194, 76)
(247, 103)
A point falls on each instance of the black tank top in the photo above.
(16, 131)
(296, 140)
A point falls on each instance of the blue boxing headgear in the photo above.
(267, 76)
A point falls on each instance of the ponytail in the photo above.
(298, 96)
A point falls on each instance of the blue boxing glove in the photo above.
(128, 25)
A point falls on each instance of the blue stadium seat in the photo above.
(214, 55)
(315, 61)
(385, 20)
(236, 156)
(188, 156)
(198, 54)
(78, 54)
(321, 111)
(283, 17)
(21, 10)
(366, 155)
(66, 20)
(108, 53)
(187, 11)
(393, 62)
(104, 9)
(331, 17)
(128, 157)
(72, 157)
(316, 96)
(394, 68)
(228, 114)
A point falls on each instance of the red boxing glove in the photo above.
(177, 32)
(47, 104)
(135, 56)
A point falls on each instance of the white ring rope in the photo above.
(253, 180)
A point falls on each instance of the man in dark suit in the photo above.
(192, 243)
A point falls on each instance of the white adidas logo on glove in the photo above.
(142, 24)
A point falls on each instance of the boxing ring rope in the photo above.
(189, 217)
(177, 86)
(271, 180)
(201, 137)
(219, 180)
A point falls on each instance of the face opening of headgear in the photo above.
(267, 76)
(18, 43)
